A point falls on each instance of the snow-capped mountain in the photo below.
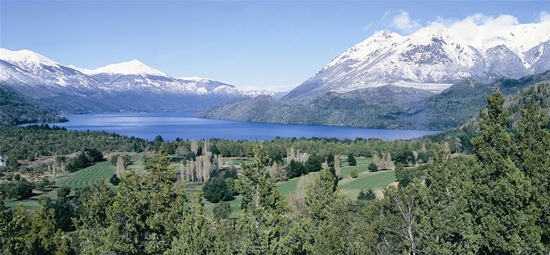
(433, 58)
(266, 92)
(127, 86)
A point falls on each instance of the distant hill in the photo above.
(379, 107)
(15, 110)
(388, 107)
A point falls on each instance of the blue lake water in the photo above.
(183, 125)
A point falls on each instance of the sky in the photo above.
(250, 44)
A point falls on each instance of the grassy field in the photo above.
(87, 176)
(362, 166)
(78, 179)
(350, 188)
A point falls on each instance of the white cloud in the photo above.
(544, 16)
(367, 27)
(401, 21)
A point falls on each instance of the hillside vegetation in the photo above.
(15, 110)
(387, 107)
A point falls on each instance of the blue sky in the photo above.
(272, 44)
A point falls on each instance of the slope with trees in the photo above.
(15, 110)
(386, 107)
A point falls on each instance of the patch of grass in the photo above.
(87, 176)
(378, 180)
(289, 186)
(362, 166)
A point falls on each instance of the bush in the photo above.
(230, 183)
(230, 173)
(373, 167)
(221, 210)
(115, 180)
(351, 160)
(366, 195)
(215, 190)
(24, 189)
(314, 163)
(295, 169)
(353, 173)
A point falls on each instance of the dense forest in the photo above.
(15, 110)
(496, 201)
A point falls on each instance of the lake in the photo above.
(183, 125)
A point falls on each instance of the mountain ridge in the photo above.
(126, 86)
(433, 58)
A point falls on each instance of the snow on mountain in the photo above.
(25, 59)
(265, 92)
(134, 67)
(433, 58)
(128, 86)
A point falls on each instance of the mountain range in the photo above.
(128, 86)
(434, 79)
(433, 58)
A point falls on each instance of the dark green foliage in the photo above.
(15, 110)
(330, 160)
(17, 189)
(221, 210)
(406, 158)
(114, 180)
(336, 178)
(367, 195)
(215, 190)
(230, 173)
(43, 140)
(351, 160)
(502, 194)
(314, 163)
(374, 168)
(423, 157)
(295, 169)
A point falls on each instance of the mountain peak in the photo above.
(25, 58)
(133, 67)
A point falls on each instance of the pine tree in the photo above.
(501, 194)
(533, 158)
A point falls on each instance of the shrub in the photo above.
(115, 180)
(366, 195)
(353, 173)
(351, 160)
(215, 190)
(373, 167)
(221, 210)
(230, 173)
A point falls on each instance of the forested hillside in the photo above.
(15, 110)
(386, 107)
